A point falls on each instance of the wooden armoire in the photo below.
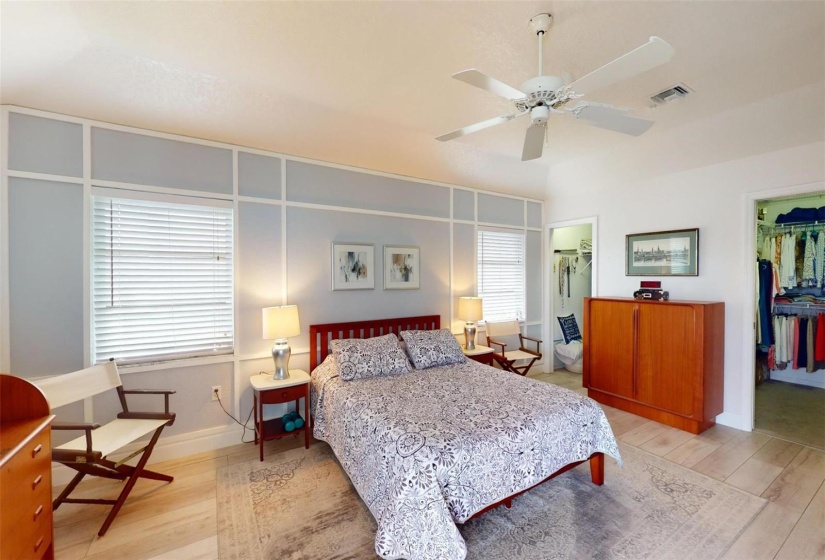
(663, 360)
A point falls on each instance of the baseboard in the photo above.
(168, 448)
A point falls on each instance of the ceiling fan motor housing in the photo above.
(542, 83)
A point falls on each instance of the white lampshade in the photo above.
(281, 322)
(470, 309)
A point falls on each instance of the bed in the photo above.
(431, 448)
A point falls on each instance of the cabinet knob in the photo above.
(284, 394)
(38, 511)
(37, 450)
(38, 543)
(37, 481)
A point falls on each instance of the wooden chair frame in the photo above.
(508, 363)
(93, 462)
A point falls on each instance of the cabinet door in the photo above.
(609, 346)
(666, 369)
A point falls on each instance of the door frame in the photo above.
(748, 386)
(547, 333)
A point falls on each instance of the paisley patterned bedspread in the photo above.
(429, 448)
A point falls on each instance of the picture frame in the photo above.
(353, 266)
(662, 253)
(402, 267)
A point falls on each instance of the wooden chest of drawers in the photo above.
(25, 474)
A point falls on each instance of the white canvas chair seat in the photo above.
(508, 333)
(116, 434)
(88, 453)
(518, 355)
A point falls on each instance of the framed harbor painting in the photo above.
(663, 253)
(401, 267)
(353, 266)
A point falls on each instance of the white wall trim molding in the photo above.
(169, 448)
(747, 386)
(5, 321)
(44, 176)
(546, 284)
(214, 144)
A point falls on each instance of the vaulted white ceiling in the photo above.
(368, 83)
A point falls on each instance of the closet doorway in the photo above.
(789, 394)
(572, 277)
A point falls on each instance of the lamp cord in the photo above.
(244, 425)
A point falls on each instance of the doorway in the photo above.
(572, 273)
(789, 374)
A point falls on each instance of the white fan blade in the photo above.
(611, 118)
(478, 126)
(485, 82)
(533, 142)
(650, 55)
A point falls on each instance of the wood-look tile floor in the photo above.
(178, 521)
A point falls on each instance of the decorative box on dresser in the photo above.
(663, 360)
(25, 471)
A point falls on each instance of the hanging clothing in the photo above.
(765, 304)
(801, 361)
(810, 366)
(787, 266)
(819, 344)
(800, 257)
(794, 338)
(819, 257)
(808, 276)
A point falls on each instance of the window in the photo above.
(501, 274)
(162, 279)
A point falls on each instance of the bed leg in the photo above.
(597, 468)
(508, 503)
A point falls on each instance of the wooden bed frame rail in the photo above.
(321, 335)
(596, 475)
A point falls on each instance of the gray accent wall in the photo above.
(319, 184)
(126, 157)
(503, 210)
(283, 251)
(259, 176)
(41, 145)
(464, 205)
(45, 276)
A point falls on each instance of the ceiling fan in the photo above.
(543, 95)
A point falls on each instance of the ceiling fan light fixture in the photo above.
(539, 115)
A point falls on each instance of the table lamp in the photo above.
(470, 310)
(280, 323)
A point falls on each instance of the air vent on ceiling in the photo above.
(671, 94)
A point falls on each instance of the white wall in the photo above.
(668, 182)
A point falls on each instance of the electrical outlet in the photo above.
(216, 392)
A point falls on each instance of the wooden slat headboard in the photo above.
(321, 335)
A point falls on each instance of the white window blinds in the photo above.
(162, 281)
(501, 274)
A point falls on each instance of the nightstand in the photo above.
(481, 354)
(280, 391)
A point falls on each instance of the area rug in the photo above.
(300, 505)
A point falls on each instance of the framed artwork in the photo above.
(401, 267)
(663, 253)
(353, 266)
